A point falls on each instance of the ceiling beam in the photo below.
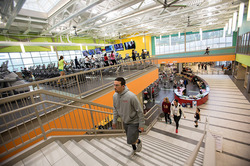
(6, 43)
(7, 4)
(123, 5)
(74, 15)
(186, 10)
(31, 19)
(14, 14)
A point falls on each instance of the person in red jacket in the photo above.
(106, 60)
(166, 109)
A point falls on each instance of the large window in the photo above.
(212, 39)
(17, 60)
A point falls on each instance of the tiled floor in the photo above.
(229, 115)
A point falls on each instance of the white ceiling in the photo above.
(111, 19)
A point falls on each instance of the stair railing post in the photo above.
(92, 118)
(101, 76)
(38, 118)
(78, 85)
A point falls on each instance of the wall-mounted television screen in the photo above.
(91, 52)
(118, 47)
(109, 48)
(98, 50)
(129, 45)
(85, 53)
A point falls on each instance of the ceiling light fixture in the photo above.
(234, 21)
(230, 26)
(160, 37)
(226, 27)
(81, 47)
(224, 32)
(248, 11)
(179, 35)
(241, 12)
(87, 48)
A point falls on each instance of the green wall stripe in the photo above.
(47, 39)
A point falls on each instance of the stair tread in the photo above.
(152, 158)
(53, 152)
(102, 156)
(82, 155)
(123, 158)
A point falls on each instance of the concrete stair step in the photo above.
(99, 153)
(85, 156)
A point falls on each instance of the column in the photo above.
(241, 72)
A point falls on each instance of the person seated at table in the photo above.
(203, 86)
(184, 92)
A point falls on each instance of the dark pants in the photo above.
(134, 58)
(177, 119)
(106, 63)
(167, 116)
(185, 86)
(114, 62)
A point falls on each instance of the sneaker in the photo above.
(132, 153)
(139, 147)
(176, 130)
(196, 125)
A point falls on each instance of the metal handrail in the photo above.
(71, 75)
(42, 91)
(40, 117)
(192, 157)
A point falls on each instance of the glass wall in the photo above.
(212, 39)
(18, 61)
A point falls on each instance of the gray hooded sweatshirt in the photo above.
(127, 106)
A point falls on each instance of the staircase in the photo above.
(111, 151)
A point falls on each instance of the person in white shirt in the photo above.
(181, 82)
(177, 111)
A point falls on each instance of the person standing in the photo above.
(197, 117)
(207, 51)
(185, 83)
(92, 61)
(87, 62)
(61, 64)
(106, 60)
(175, 84)
(133, 55)
(143, 55)
(177, 112)
(112, 58)
(199, 65)
(181, 82)
(166, 109)
(77, 63)
(127, 106)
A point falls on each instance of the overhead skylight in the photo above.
(40, 5)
